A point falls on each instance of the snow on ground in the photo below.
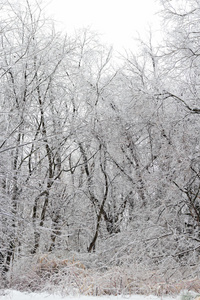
(15, 295)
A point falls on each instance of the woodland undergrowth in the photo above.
(45, 273)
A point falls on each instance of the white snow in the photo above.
(16, 295)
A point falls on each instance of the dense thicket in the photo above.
(98, 162)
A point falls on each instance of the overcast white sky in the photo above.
(117, 20)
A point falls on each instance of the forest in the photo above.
(99, 157)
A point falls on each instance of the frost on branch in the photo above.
(99, 168)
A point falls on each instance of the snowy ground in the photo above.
(15, 295)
